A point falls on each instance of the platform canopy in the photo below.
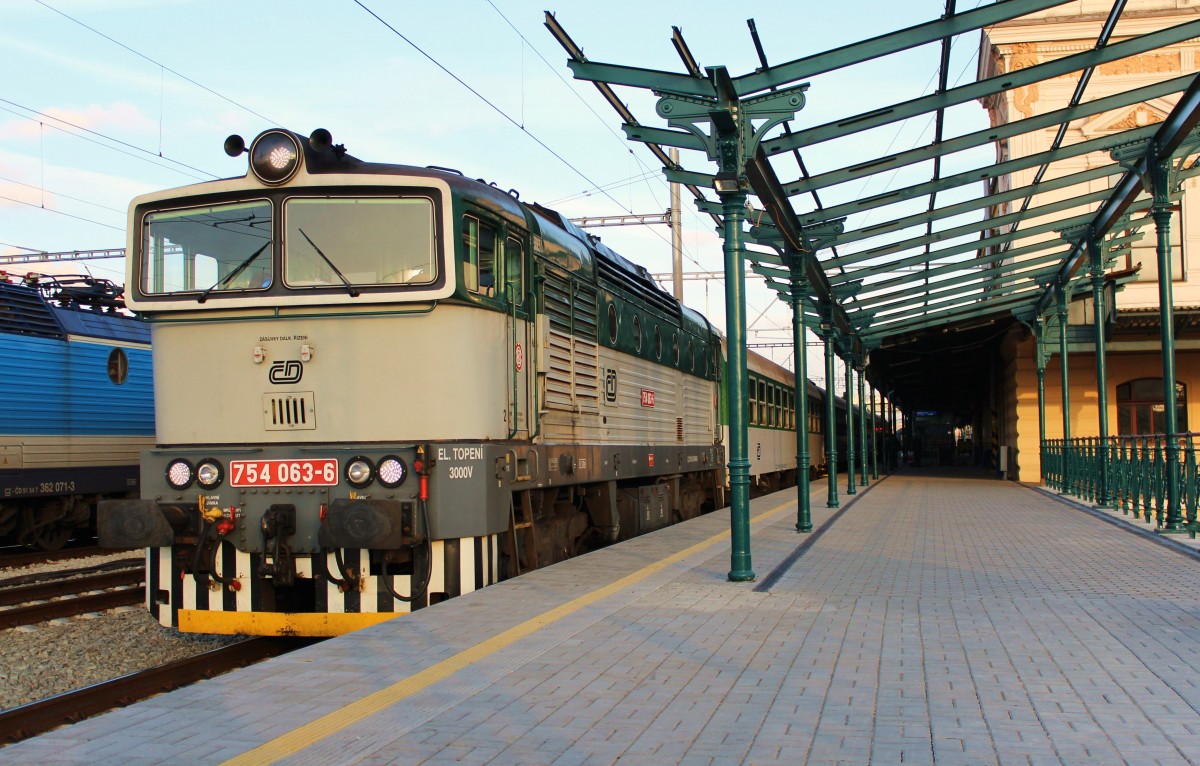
(934, 267)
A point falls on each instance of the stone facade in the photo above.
(1132, 353)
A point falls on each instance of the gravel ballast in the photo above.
(42, 660)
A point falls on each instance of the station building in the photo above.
(1132, 330)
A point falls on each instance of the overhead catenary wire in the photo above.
(78, 131)
(650, 171)
(60, 194)
(164, 67)
(516, 123)
(148, 152)
(60, 212)
(156, 157)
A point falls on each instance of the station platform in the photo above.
(936, 617)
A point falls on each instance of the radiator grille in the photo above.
(572, 381)
(290, 412)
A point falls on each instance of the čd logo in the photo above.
(289, 371)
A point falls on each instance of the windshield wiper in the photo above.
(233, 274)
(349, 287)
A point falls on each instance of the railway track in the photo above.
(70, 707)
(15, 557)
(30, 599)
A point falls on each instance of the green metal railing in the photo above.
(1129, 473)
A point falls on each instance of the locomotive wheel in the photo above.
(51, 537)
(46, 527)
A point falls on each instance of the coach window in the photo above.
(637, 333)
(753, 402)
(514, 270)
(762, 402)
(675, 347)
(612, 323)
(657, 343)
(479, 256)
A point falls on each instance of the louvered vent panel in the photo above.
(290, 412)
(572, 355)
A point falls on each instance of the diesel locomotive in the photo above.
(381, 386)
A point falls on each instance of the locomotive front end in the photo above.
(301, 380)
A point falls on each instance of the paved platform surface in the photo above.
(938, 619)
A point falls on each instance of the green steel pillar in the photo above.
(1096, 255)
(831, 454)
(893, 460)
(729, 129)
(850, 467)
(1061, 294)
(1041, 355)
(803, 502)
(863, 413)
(732, 208)
(1161, 212)
(874, 438)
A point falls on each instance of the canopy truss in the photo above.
(954, 249)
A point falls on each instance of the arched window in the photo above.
(1140, 408)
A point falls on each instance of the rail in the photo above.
(36, 717)
(1132, 474)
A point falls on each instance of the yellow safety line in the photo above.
(331, 723)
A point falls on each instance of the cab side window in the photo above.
(479, 256)
(514, 270)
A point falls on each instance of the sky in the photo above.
(108, 99)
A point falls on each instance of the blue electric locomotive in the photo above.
(78, 401)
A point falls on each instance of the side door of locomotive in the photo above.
(522, 356)
(496, 268)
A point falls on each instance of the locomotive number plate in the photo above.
(283, 473)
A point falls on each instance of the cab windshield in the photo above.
(208, 249)
(356, 241)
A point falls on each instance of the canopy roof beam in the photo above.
(990, 135)
(984, 88)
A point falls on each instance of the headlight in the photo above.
(359, 472)
(275, 156)
(180, 474)
(209, 473)
(392, 472)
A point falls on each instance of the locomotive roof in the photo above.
(507, 204)
(565, 244)
(25, 311)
